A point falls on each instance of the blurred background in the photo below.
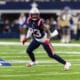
(62, 15)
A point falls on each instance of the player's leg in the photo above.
(33, 45)
(48, 48)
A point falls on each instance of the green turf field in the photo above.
(47, 69)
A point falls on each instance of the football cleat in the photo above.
(31, 63)
(67, 66)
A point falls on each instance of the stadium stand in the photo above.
(10, 10)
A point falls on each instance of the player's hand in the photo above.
(24, 40)
(47, 41)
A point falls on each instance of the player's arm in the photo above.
(28, 35)
(46, 28)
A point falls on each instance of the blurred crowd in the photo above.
(68, 25)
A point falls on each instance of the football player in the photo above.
(41, 36)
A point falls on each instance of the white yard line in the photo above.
(40, 61)
(10, 43)
(40, 52)
(54, 44)
(62, 52)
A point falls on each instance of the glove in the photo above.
(47, 41)
(24, 40)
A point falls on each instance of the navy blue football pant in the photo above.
(47, 47)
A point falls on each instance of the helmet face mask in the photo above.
(34, 13)
(34, 16)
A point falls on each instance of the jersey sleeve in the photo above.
(29, 33)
